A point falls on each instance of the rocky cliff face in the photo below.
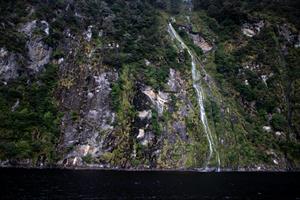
(105, 84)
(37, 54)
(9, 65)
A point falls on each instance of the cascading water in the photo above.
(199, 91)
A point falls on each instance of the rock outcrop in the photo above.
(251, 30)
(201, 42)
(38, 52)
(86, 127)
(159, 100)
(9, 65)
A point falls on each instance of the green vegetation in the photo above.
(156, 123)
(279, 122)
(10, 13)
(239, 65)
(29, 117)
(87, 159)
(122, 95)
(251, 82)
(237, 10)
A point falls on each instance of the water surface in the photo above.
(103, 184)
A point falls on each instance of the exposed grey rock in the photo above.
(141, 134)
(267, 128)
(146, 114)
(39, 54)
(172, 80)
(45, 26)
(88, 34)
(100, 34)
(147, 139)
(251, 30)
(68, 34)
(286, 33)
(87, 134)
(60, 61)
(29, 27)
(173, 20)
(177, 85)
(248, 32)
(278, 133)
(264, 78)
(180, 128)
(159, 100)
(291, 37)
(147, 62)
(8, 65)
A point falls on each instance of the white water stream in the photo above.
(197, 86)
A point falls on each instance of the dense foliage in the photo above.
(253, 110)
(238, 10)
(243, 62)
(29, 117)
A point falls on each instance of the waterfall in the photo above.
(200, 98)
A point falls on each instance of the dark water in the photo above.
(99, 184)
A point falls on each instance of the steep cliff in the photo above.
(148, 85)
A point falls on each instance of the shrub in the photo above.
(279, 122)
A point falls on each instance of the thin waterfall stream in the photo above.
(200, 98)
